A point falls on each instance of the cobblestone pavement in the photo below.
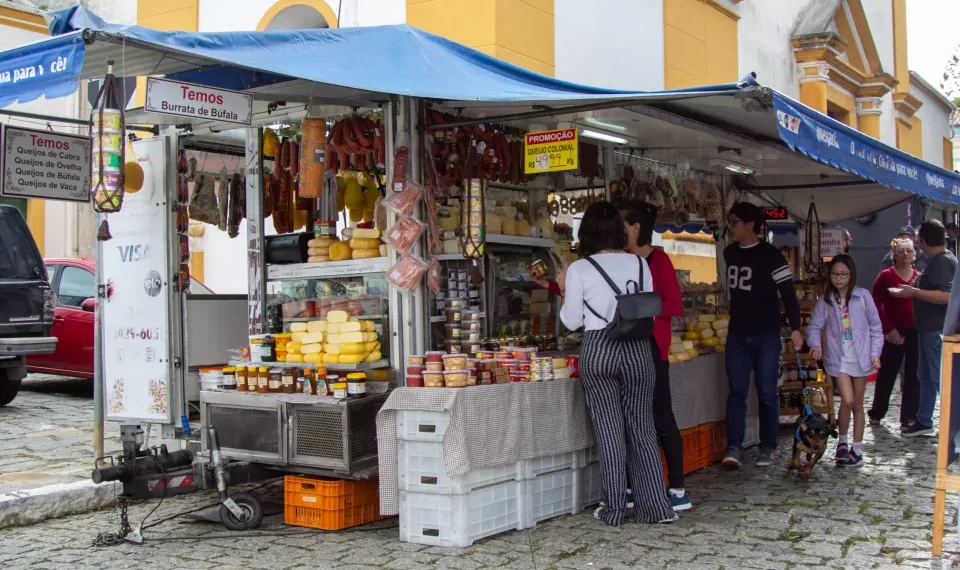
(763, 518)
(46, 433)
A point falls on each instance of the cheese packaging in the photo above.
(338, 316)
(371, 346)
(365, 243)
(293, 347)
(317, 326)
(298, 327)
(367, 326)
(310, 338)
(333, 338)
(369, 336)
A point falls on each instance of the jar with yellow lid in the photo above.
(240, 378)
(339, 390)
(253, 374)
(263, 380)
(356, 385)
(230, 378)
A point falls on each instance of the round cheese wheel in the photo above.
(366, 253)
(318, 251)
(318, 259)
(365, 243)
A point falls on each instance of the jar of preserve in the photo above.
(263, 380)
(253, 374)
(275, 380)
(356, 385)
(229, 378)
(288, 381)
(331, 380)
(305, 377)
(240, 378)
(340, 390)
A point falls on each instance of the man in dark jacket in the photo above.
(906, 232)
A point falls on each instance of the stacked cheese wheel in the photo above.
(339, 339)
(705, 336)
(363, 243)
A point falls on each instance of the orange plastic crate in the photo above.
(696, 449)
(329, 504)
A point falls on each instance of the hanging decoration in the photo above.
(812, 254)
(108, 151)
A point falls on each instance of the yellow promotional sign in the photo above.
(550, 151)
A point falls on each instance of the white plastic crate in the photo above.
(420, 469)
(421, 425)
(537, 466)
(459, 520)
(587, 456)
(551, 495)
(590, 486)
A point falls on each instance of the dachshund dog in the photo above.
(810, 438)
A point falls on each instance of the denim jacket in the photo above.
(865, 322)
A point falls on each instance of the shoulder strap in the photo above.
(640, 262)
(607, 277)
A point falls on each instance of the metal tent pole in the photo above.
(98, 381)
(607, 171)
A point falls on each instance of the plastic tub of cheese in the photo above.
(455, 362)
(455, 378)
(433, 379)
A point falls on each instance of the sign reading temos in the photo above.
(550, 151)
(189, 100)
(45, 165)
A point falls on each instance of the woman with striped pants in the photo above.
(618, 376)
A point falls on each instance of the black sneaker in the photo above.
(874, 420)
(916, 429)
(843, 453)
(733, 457)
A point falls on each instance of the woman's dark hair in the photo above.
(601, 228)
(830, 292)
(643, 213)
(933, 233)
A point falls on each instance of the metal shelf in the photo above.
(442, 318)
(449, 257)
(308, 319)
(522, 241)
(376, 364)
(325, 269)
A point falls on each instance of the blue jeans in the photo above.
(928, 372)
(759, 355)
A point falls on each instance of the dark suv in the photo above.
(26, 302)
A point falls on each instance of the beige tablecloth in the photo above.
(699, 390)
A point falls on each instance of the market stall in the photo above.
(410, 204)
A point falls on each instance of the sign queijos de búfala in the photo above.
(550, 151)
(198, 101)
(44, 165)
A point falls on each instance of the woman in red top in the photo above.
(640, 217)
(900, 337)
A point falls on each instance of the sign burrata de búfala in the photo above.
(45, 165)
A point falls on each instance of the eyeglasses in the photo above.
(840, 275)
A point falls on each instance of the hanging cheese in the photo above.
(311, 337)
(298, 327)
(295, 357)
(331, 358)
(314, 358)
(365, 243)
(351, 326)
(351, 337)
(366, 253)
(311, 348)
(365, 233)
(317, 326)
(352, 348)
(374, 356)
(337, 317)
(331, 348)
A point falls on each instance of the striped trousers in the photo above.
(618, 380)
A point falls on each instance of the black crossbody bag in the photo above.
(635, 311)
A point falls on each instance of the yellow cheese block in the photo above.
(672, 359)
(331, 358)
(317, 326)
(676, 348)
(314, 358)
(297, 337)
(693, 353)
(367, 326)
(371, 346)
(712, 341)
(703, 326)
(366, 253)
(365, 243)
(311, 338)
(351, 358)
(369, 336)
(352, 348)
(691, 327)
(675, 339)
(331, 348)
(333, 328)
(351, 337)
(293, 347)
(691, 336)
(295, 357)
(311, 348)
(707, 333)
(720, 324)
(722, 333)
(333, 338)
(688, 345)
(707, 318)
(298, 327)
(365, 233)
(338, 317)
(683, 356)
(351, 326)
(374, 356)
(721, 348)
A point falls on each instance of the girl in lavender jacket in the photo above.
(854, 343)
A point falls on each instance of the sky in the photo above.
(933, 33)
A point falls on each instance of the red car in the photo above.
(74, 282)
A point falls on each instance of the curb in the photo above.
(21, 508)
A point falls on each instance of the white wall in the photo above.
(936, 125)
(880, 18)
(610, 43)
(224, 15)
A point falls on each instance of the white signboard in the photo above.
(136, 343)
(189, 100)
(831, 242)
(45, 165)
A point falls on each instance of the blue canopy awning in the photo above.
(852, 173)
